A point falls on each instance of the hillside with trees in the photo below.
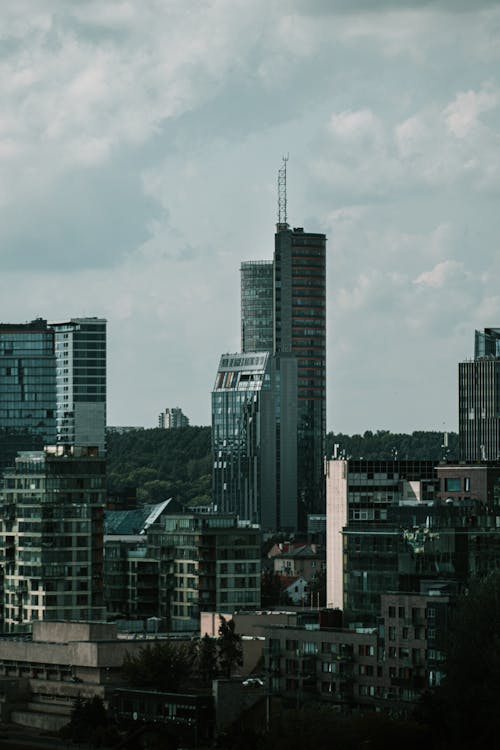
(162, 464)
(178, 463)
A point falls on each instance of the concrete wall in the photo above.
(336, 519)
(63, 632)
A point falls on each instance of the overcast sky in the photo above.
(139, 145)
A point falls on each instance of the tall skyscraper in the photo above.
(283, 312)
(479, 399)
(257, 306)
(300, 328)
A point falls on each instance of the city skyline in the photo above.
(138, 176)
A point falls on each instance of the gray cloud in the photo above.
(329, 7)
(139, 145)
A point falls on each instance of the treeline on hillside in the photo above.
(162, 464)
(384, 444)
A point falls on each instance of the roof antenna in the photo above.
(282, 217)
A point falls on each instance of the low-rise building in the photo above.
(58, 663)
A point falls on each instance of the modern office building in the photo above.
(479, 399)
(398, 525)
(254, 438)
(296, 278)
(257, 306)
(283, 313)
(51, 548)
(80, 348)
(52, 385)
(300, 328)
(171, 419)
(363, 545)
(27, 388)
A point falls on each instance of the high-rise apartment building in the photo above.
(479, 399)
(257, 306)
(80, 349)
(51, 532)
(171, 419)
(254, 438)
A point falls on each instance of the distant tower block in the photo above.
(172, 418)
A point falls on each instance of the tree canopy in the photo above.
(162, 463)
(161, 665)
(385, 445)
(465, 708)
(229, 646)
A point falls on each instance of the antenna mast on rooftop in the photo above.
(282, 218)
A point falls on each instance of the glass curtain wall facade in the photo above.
(254, 438)
(479, 399)
(241, 399)
(80, 347)
(27, 388)
(300, 328)
(257, 290)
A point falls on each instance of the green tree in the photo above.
(162, 463)
(322, 728)
(467, 705)
(89, 723)
(161, 665)
(207, 658)
(270, 589)
(229, 647)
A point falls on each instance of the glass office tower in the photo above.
(257, 316)
(254, 438)
(479, 399)
(300, 328)
(27, 388)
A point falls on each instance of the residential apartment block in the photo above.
(164, 562)
(381, 667)
(51, 540)
(171, 419)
